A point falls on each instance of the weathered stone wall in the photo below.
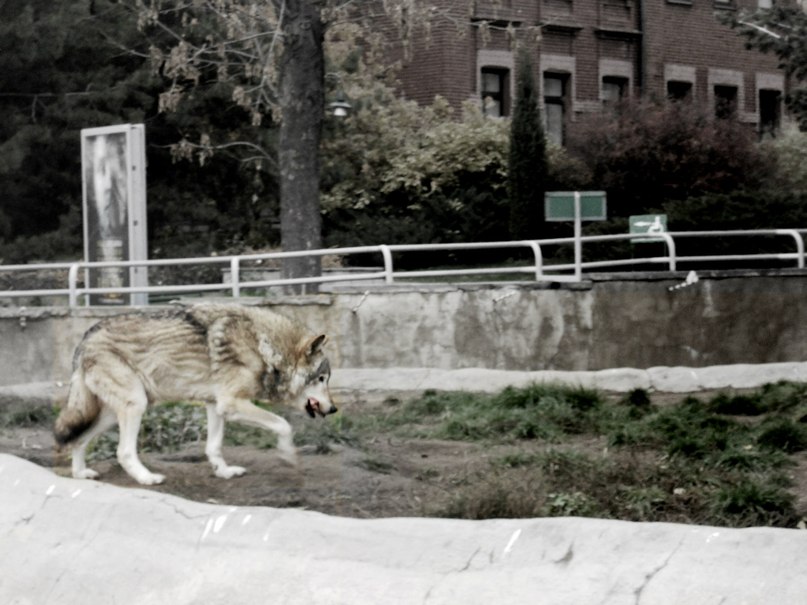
(589, 326)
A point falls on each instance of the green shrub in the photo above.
(783, 434)
(751, 502)
(738, 405)
(649, 153)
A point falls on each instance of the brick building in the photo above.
(588, 53)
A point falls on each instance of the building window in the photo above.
(495, 87)
(770, 112)
(725, 101)
(555, 87)
(679, 91)
(614, 90)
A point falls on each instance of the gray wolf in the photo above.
(223, 355)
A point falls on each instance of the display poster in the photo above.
(114, 195)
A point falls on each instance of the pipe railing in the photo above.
(536, 268)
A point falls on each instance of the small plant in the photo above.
(496, 498)
(738, 405)
(753, 502)
(783, 434)
(27, 417)
(566, 504)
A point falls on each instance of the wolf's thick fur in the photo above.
(223, 355)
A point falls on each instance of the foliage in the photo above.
(790, 153)
(527, 163)
(58, 73)
(77, 65)
(397, 172)
(781, 30)
(647, 154)
(270, 57)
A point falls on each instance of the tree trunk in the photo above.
(302, 70)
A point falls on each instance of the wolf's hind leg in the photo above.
(117, 385)
(215, 436)
(106, 420)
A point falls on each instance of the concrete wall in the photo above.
(589, 326)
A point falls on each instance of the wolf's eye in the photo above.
(322, 378)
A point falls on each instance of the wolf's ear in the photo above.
(313, 346)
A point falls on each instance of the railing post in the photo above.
(235, 276)
(578, 238)
(670, 249)
(799, 245)
(539, 259)
(386, 253)
(72, 285)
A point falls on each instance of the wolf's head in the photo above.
(301, 377)
(314, 371)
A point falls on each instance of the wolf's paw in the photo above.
(86, 473)
(228, 472)
(150, 479)
(289, 457)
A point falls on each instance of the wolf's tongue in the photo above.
(312, 407)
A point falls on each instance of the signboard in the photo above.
(559, 205)
(577, 206)
(649, 224)
(113, 160)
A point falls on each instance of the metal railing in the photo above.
(534, 268)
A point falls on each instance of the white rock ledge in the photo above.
(64, 541)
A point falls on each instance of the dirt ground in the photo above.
(384, 476)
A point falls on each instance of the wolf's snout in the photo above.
(313, 407)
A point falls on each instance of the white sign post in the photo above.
(113, 160)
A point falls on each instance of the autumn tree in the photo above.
(271, 53)
(781, 30)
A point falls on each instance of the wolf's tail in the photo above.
(78, 415)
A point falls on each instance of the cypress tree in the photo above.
(527, 161)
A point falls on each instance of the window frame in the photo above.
(502, 96)
(561, 101)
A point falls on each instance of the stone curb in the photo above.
(661, 379)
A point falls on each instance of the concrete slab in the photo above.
(65, 541)
(663, 379)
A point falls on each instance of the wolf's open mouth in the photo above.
(312, 408)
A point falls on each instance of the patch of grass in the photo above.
(28, 417)
(783, 434)
(495, 497)
(534, 412)
(692, 462)
(753, 502)
(375, 465)
(738, 405)
(164, 428)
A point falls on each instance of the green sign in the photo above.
(649, 224)
(559, 205)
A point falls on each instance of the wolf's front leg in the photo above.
(243, 410)
(215, 436)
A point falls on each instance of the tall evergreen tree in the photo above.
(527, 161)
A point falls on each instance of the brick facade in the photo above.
(650, 49)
